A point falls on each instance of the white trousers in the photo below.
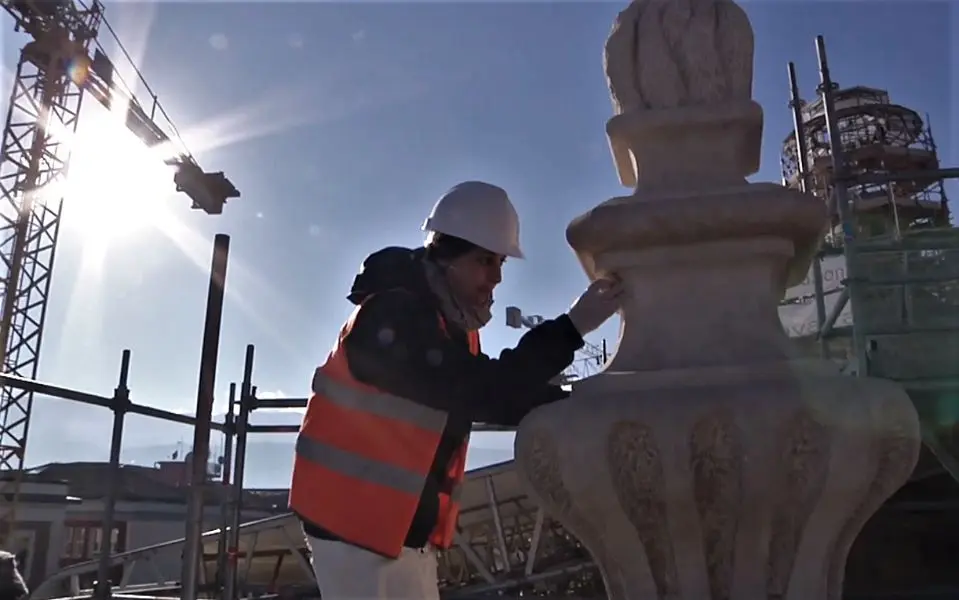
(345, 572)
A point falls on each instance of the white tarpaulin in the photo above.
(799, 318)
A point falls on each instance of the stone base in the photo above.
(724, 483)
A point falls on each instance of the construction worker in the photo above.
(381, 453)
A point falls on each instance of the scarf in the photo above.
(454, 311)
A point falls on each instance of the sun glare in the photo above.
(116, 186)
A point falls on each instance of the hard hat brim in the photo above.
(511, 251)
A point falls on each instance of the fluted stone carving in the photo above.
(670, 53)
(737, 493)
(673, 63)
(706, 461)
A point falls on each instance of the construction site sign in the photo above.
(798, 311)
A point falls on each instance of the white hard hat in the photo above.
(480, 213)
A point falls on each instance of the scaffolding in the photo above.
(881, 179)
(891, 162)
(876, 166)
(54, 72)
(504, 542)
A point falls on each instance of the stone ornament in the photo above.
(672, 53)
(722, 487)
(670, 63)
(707, 461)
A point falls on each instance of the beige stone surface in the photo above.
(707, 461)
(722, 483)
(677, 54)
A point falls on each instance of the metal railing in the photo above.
(236, 428)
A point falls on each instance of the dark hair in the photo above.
(445, 248)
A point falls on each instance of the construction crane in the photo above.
(61, 61)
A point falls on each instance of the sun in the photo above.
(116, 185)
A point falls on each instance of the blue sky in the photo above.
(341, 123)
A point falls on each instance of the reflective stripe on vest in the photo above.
(363, 456)
(380, 404)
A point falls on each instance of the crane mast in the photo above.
(54, 71)
(44, 93)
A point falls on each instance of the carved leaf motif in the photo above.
(540, 458)
(541, 465)
(538, 455)
(804, 468)
(700, 59)
(636, 470)
(659, 77)
(619, 64)
(736, 44)
(717, 457)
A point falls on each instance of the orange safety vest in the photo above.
(363, 456)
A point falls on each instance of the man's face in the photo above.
(474, 275)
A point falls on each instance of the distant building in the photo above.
(61, 507)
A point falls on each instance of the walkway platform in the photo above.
(505, 546)
(503, 543)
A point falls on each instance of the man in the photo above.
(382, 449)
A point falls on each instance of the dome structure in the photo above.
(890, 156)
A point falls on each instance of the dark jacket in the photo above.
(396, 344)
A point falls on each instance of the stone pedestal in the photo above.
(706, 461)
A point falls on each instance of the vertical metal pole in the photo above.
(204, 416)
(942, 219)
(839, 176)
(120, 405)
(243, 419)
(802, 150)
(897, 234)
(230, 431)
(497, 523)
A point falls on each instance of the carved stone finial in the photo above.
(680, 76)
(675, 53)
(708, 461)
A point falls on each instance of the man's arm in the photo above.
(397, 345)
(510, 416)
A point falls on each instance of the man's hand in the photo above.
(598, 303)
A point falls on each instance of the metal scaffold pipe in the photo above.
(836, 153)
(204, 417)
(802, 152)
(236, 498)
(120, 406)
(840, 193)
(223, 541)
